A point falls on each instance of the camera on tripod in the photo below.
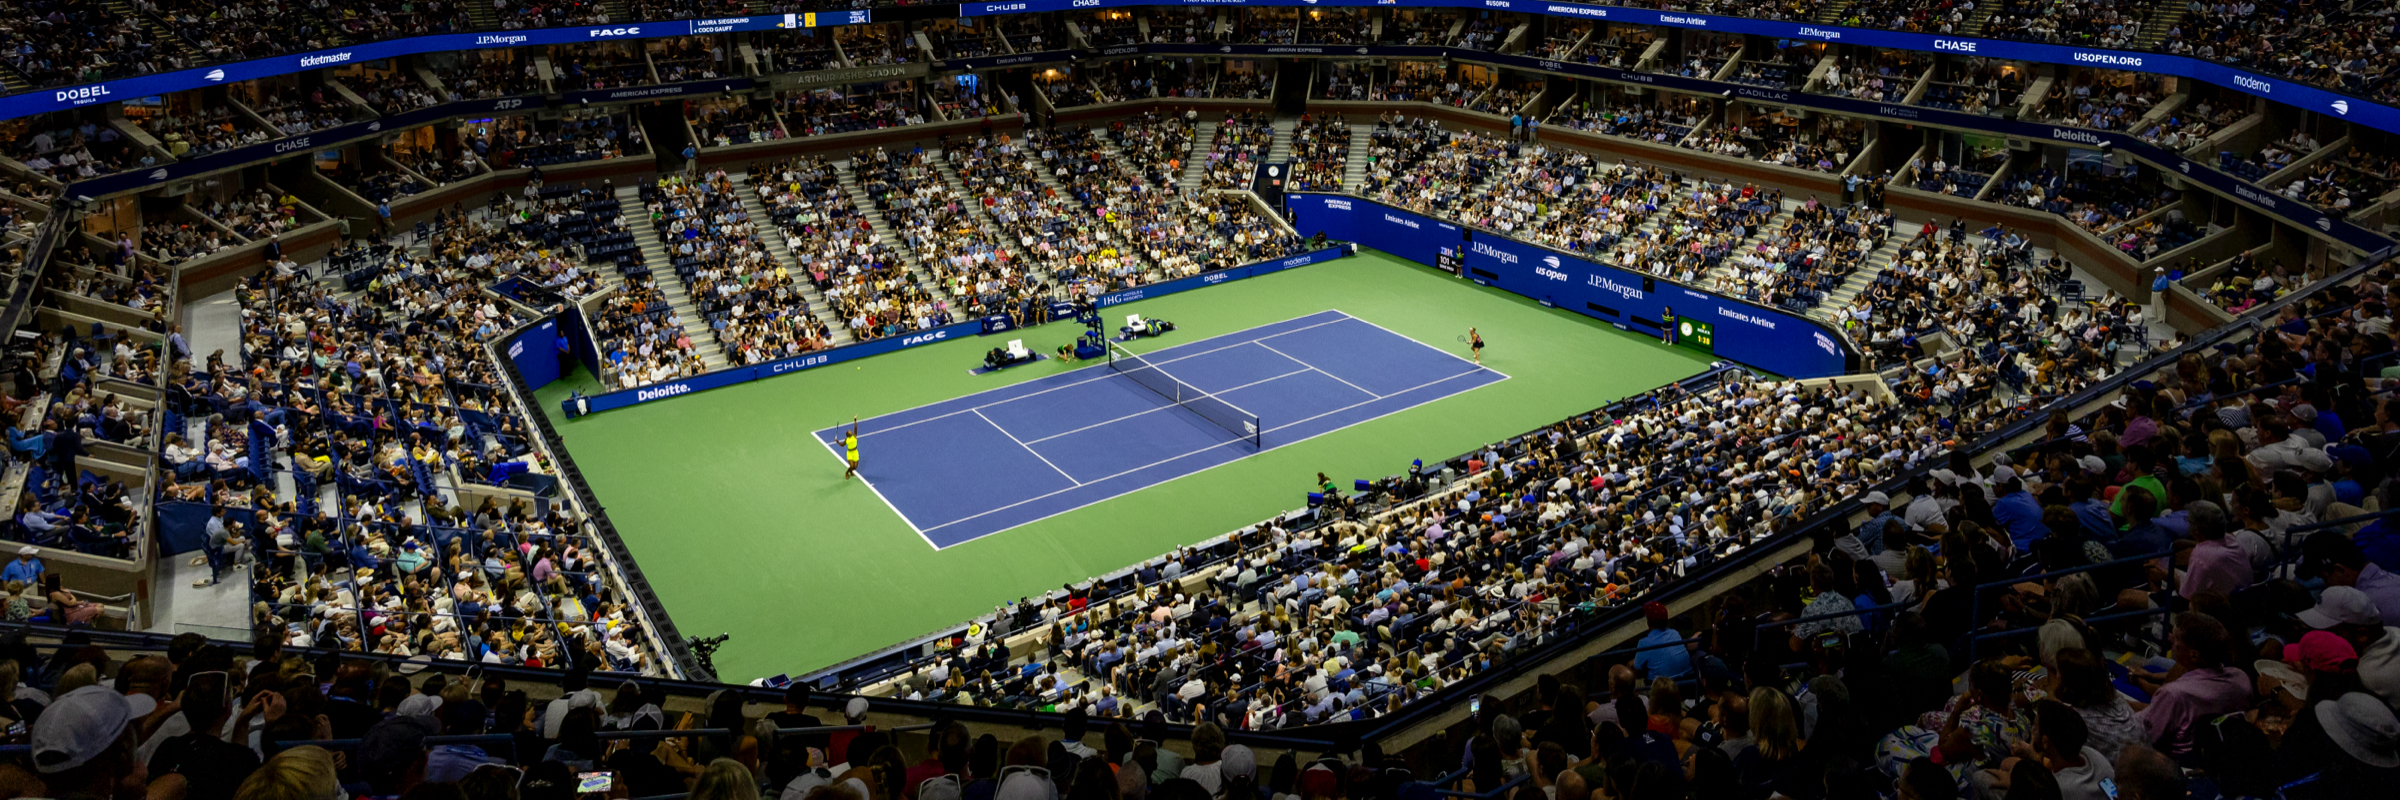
(704, 650)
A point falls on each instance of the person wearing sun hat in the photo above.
(2343, 747)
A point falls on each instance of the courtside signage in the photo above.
(1755, 335)
(744, 374)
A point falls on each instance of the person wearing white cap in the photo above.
(2337, 559)
(1239, 767)
(1883, 529)
(25, 568)
(84, 744)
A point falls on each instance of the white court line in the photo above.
(1153, 410)
(887, 502)
(1105, 374)
(1445, 353)
(1028, 448)
(1213, 447)
(1313, 368)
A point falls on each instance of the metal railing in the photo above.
(1445, 782)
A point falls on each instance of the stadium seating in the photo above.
(1940, 573)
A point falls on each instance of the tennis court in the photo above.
(740, 519)
(968, 467)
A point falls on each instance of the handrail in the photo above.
(1758, 630)
(1496, 791)
(1975, 601)
(1975, 643)
(280, 745)
(2291, 532)
(672, 734)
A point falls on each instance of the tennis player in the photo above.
(850, 446)
(1475, 343)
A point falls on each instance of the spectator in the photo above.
(2202, 687)
(1665, 656)
(2214, 564)
(26, 568)
(2334, 557)
(300, 773)
(2146, 774)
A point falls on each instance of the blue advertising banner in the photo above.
(1220, 276)
(611, 401)
(579, 406)
(1301, 260)
(1773, 340)
(578, 332)
(2365, 112)
(535, 353)
(2361, 111)
(314, 140)
(1417, 238)
(48, 100)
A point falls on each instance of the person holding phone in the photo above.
(212, 766)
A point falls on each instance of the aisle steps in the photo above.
(679, 298)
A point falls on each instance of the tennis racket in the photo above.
(1462, 338)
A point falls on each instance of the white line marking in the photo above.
(1158, 409)
(1313, 367)
(1028, 448)
(1445, 353)
(1102, 367)
(887, 502)
(1215, 446)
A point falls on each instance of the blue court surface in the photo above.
(969, 467)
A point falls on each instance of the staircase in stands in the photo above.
(1035, 270)
(915, 263)
(1281, 150)
(482, 15)
(1973, 26)
(155, 30)
(1362, 137)
(1838, 300)
(785, 257)
(662, 273)
(2163, 17)
(1195, 162)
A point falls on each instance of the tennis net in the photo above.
(1226, 415)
